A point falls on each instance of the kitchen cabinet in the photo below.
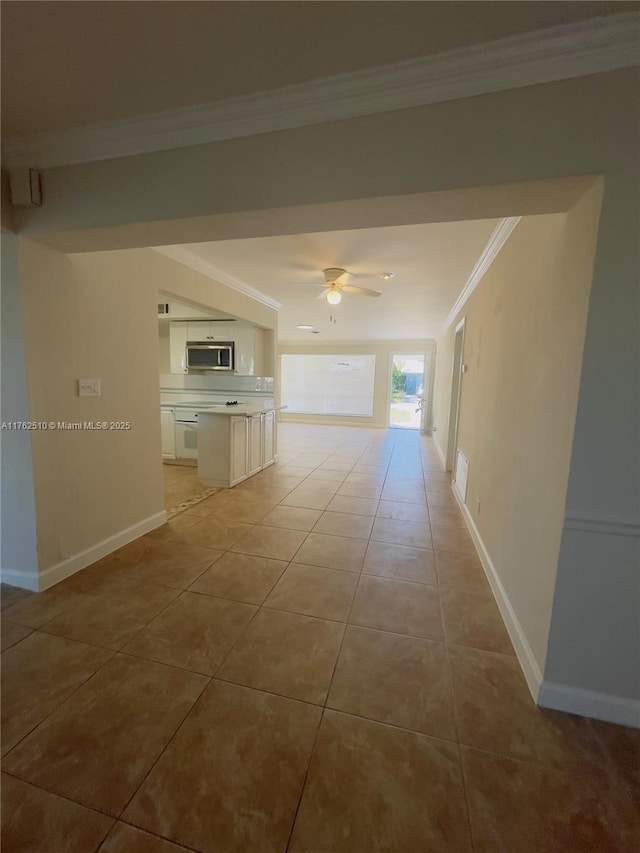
(168, 432)
(177, 346)
(232, 448)
(210, 330)
(268, 438)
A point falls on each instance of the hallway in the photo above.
(311, 661)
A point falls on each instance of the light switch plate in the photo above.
(89, 388)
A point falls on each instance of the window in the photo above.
(328, 384)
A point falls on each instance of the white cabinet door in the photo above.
(239, 450)
(244, 351)
(208, 330)
(167, 422)
(255, 444)
(177, 346)
(268, 438)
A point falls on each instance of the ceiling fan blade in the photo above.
(364, 291)
(324, 293)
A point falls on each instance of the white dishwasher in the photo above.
(186, 433)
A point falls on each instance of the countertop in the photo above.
(245, 410)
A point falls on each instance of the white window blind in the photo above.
(328, 384)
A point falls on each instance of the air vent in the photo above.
(163, 309)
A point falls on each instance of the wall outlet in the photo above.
(89, 388)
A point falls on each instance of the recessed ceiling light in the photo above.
(306, 328)
(387, 275)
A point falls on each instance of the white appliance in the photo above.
(186, 433)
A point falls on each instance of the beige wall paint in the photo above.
(524, 336)
(95, 316)
(583, 126)
(90, 485)
(164, 348)
(383, 351)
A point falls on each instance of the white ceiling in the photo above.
(431, 262)
(68, 64)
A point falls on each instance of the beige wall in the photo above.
(383, 351)
(524, 335)
(95, 316)
(90, 485)
(577, 127)
(164, 348)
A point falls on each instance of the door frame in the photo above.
(456, 392)
(425, 412)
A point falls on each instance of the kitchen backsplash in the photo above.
(227, 382)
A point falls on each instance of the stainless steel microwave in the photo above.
(210, 355)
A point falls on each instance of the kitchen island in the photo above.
(235, 442)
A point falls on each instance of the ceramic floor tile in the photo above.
(127, 839)
(400, 562)
(365, 479)
(441, 499)
(450, 538)
(314, 591)
(398, 606)
(360, 490)
(10, 595)
(112, 617)
(172, 564)
(329, 465)
(402, 511)
(341, 524)
(332, 552)
(260, 494)
(518, 806)
(495, 713)
(38, 674)
(473, 619)
(250, 512)
(39, 608)
(401, 532)
(97, 747)
(273, 542)
(287, 654)
(461, 571)
(446, 516)
(12, 633)
(402, 494)
(354, 506)
(399, 680)
(328, 475)
(35, 821)
(240, 577)
(292, 517)
(214, 533)
(175, 526)
(308, 499)
(375, 788)
(248, 755)
(196, 632)
(621, 748)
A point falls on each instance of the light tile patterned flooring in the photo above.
(311, 661)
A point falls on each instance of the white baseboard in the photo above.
(439, 451)
(525, 656)
(66, 568)
(23, 580)
(588, 703)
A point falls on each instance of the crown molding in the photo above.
(606, 527)
(556, 53)
(190, 259)
(496, 241)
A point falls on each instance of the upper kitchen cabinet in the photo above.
(249, 343)
(211, 330)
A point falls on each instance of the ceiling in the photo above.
(67, 64)
(431, 262)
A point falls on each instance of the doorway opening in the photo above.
(408, 388)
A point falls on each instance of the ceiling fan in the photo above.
(333, 288)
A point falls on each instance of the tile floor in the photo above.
(311, 661)
(181, 486)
